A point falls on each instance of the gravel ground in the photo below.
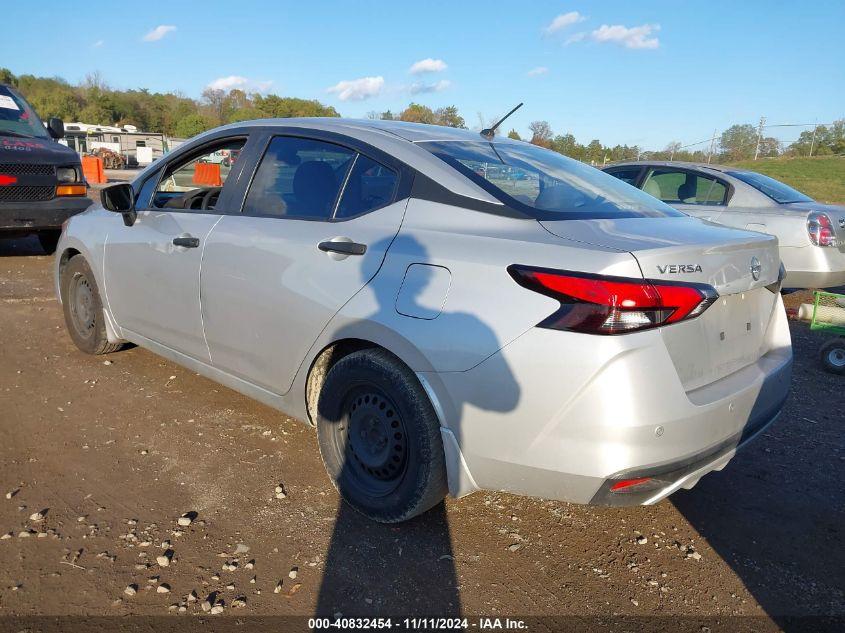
(100, 457)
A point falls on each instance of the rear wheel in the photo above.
(380, 438)
(833, 356)
(49, 240)
(83, 309)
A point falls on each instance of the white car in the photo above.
(452, 312)
(811, 234)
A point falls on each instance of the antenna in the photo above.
(490, 132)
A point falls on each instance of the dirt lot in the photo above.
(113, 451)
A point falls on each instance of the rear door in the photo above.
(697, 194)
(152, 269)
(317, 220)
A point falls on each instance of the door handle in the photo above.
(342, 248)
(186, 242)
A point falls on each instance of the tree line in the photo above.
(173, 114)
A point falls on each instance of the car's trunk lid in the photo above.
(731, 334)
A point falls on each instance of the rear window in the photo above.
(775, 189)
(546, 184)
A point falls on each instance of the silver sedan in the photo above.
(811, 234)
(452, 312)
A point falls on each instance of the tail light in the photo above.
(820, 229)
(613, 305)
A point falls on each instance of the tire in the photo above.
(49, 240)
(379, 437)
(83, 309)
(832, 355)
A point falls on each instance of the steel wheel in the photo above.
(374, 440)
(83, 309)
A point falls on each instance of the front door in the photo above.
(317, 221)
(152, 269)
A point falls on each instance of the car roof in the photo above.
(677, 163)
(413, 132)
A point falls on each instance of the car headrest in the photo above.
(652, 188)
(686, 191)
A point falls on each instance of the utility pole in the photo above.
(712, 146)
(813, 142)
(759, 136)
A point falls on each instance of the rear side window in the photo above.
(681, 187)
(627, 174)
(299, 178)
(370, 185)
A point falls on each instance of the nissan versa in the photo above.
(452, 311)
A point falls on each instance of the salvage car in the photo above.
(545, 329)
(811, 234)
(41, 181)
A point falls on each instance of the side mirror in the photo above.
(56, 128)
(120, 198)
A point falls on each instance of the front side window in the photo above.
(545, 184)
(17, 118)
(681, 187)
(195, 183)
(776, 190)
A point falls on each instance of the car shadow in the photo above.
(776, 514)
(407, 569)
(20, 246)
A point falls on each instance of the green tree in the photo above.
(738, 142)
(449, 117)
(191, 125)
(416, 113)
(514, 135)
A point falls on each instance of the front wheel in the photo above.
(83, 309)
(380, 438)
(832, 356)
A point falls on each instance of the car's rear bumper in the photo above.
(558, 417)
(26, 217)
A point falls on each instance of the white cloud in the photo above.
(634, 37)
(428, 65)
(540, 70)
(241, 83)
(422, 88)
(562, 21)
(357, 89)
(98, 44)
(576, 37)
(158, 32)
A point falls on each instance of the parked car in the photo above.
(811, 234)
(41, 181)
(562, 335)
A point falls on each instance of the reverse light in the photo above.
(820, 229)
(597, 304)
(70, 190)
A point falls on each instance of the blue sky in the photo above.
(639, 73)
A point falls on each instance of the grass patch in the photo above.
(822, 179)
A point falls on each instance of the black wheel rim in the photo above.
(83, 306)
(372, 440)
